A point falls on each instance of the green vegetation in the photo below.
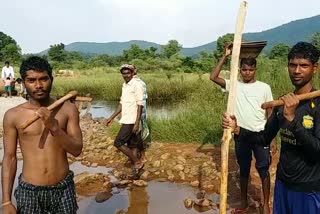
(199, 102)
(170, 77)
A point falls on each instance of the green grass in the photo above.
(198, 101)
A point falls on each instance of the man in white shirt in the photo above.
(251, 119)
(130, 107)
(7, 71)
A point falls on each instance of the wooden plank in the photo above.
(227, 135)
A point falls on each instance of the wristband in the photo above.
(5, 203)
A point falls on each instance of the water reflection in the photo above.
(106, 108)
(156, 198)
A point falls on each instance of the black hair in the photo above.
(304, 50)
(7, 62)
(35, 63)
(248, 61)
(19, 80)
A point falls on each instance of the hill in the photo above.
(290, 33)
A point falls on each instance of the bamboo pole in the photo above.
(227, 135)
(50, 107)
(301, 97)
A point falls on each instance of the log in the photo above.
(227, 135)
(301, 97)
(50, 107)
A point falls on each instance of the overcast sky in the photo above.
(37, 24)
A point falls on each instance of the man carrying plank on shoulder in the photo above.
(46, 183)
(297, 187)
(251, 118)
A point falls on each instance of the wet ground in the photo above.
(168, 195)
(157, 197)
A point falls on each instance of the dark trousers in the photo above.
(127, 137)
(246, 143)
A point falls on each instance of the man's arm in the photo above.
(116, 113)
(9, 163)
(269, 98)
(272, 126)
(71, 139)
(214, 75)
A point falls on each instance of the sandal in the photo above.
(136, 172)
(240, 210)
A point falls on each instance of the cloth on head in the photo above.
(128, 66)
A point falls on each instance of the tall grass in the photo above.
(107, 86)
(199, 102)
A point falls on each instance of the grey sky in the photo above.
(37, 24)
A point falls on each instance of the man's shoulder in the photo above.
(15, 112)
(69, 106)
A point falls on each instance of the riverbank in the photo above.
(195, 165)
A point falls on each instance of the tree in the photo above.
(280, 51)
(221, 42)
(173, 47)
(315, 40)
(9, 50)
(56, 53)
(135, 52)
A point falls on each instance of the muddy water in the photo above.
(157, 197)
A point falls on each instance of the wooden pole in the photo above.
(306, 96)
(227, 135)
(50, 107)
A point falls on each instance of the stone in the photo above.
(195, 183)
(179, 168)
(182, 175)
(140, 183)
(156, 164)
(165, 156)
(203, 202)
(153, 170)
(201, 194)
(182, 159)
(94, 164)
(169, 172)
(171, 178)
(188, 203)
(103, 196)
(125, 182)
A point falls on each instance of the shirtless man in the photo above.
(46, 183)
